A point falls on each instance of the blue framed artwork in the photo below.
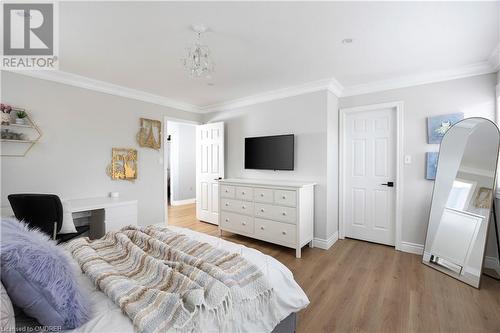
(431, 164)
(438, 125)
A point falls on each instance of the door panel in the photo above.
(369, 162)
(209, 168)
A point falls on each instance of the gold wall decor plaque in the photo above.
(123, 164)
(150, 133)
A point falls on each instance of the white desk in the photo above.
(105, 214)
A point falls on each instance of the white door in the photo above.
(369, 163)
(209, 168)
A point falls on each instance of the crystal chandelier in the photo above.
(197, 61)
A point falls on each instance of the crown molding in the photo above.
(325, 84)
(107, 88)
(331, 84)
(419, 79)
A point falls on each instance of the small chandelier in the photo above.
(197, 61)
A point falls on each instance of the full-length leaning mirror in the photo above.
(461, 211)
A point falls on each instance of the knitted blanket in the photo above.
(165, 281)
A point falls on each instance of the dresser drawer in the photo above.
(227, 191)
(285, 198)
(236, 222)
(263, 195)
(121, 212)
(275, 231)
(244, 193)
(237, 206)
(278, 213)
(117, 224)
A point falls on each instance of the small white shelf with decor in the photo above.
(11, 147)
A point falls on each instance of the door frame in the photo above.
(398, 106)
(166, 119)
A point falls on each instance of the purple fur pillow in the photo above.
(38, 277)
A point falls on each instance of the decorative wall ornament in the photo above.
(483, 198)
(437, 126)
(123, 164)
(150, 133)
(431, 160)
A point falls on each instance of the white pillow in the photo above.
(68, 226)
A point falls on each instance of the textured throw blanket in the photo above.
(165, 281)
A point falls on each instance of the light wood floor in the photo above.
(358, 286)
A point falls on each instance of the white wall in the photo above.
(474, 96)
(182, 160)
(309, 117)
(79, 129)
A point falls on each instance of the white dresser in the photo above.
(280, 212)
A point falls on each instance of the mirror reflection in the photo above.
(462, 200)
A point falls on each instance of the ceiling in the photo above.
(260, 47)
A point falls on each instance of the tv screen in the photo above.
(269, 152)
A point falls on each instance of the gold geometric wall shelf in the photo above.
(149, 134)
(17, 140)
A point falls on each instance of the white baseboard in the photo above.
(182, 202)
(493, 263)
(325, 244)
(411, 248)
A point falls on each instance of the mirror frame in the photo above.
(490, 219)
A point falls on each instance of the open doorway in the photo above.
(180, 163)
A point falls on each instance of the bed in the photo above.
(290, 298)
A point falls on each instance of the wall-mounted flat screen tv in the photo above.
(269, 152)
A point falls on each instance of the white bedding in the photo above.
(108, 318)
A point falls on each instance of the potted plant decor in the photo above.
(21, 117)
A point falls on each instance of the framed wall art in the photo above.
(123, 164)
(437, 126)
(149, 133)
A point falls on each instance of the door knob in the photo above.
(388, 184)
(220, 178)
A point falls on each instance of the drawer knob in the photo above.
(283, 232)
(262, 210)
(227, 191)
(243, 223)
(284, 214)
(243, 193)
(262, 194)
(243, 207)
(261, 228)
(227, 220)
(227, 203)
(283, 197)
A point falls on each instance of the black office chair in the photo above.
(43, 211)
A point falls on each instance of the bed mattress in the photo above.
(107, 317)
